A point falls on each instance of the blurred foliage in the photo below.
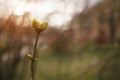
(87, 50)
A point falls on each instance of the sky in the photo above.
(57, 12)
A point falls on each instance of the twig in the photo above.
(39, 27)
(34, 56)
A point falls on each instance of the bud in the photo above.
(35, 24)
(29, 56)
(39, 26)
(44, 25)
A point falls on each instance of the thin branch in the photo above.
(34, 56)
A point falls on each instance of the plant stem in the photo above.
(33, 60)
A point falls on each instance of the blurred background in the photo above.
(82, 41)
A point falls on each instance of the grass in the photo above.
(76, 67)
(81, 66)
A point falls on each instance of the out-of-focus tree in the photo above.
(14, 40)
(101, 21)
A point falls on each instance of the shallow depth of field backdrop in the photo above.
(82, 41)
